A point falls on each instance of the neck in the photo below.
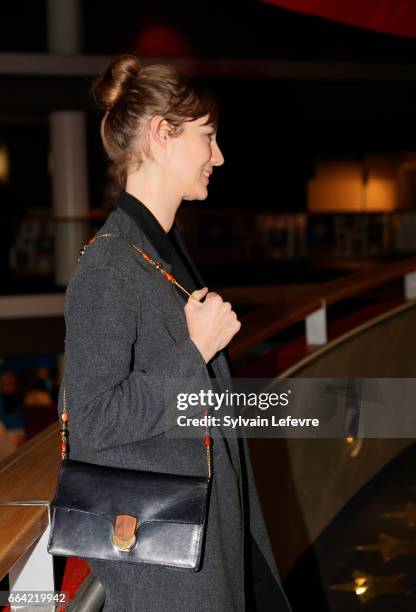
(155, 194)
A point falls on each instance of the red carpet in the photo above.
(76, 570)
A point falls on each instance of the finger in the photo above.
(213, 294)
(198, 294)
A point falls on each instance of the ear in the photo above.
(159, 130)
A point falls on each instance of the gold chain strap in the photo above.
(154, 263)
(64, 430)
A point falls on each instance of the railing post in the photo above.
(316, 327)
(410, 286)
(33, 572)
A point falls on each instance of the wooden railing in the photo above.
(27, 485)
(29, 475)
(288, 305)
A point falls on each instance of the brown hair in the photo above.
(131, 94)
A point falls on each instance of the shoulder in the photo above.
(108, 264)
(110, 245)
(110, 248)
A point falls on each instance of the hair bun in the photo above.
(109, 87)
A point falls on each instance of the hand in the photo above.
(211, 324)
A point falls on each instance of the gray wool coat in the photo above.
(126, 338)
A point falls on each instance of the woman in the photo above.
(128, 329)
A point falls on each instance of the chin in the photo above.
(200, 195)
(201, 198)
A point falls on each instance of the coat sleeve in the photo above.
(108, 404)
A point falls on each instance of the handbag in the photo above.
(126, 515)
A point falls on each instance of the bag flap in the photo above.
(149, 496)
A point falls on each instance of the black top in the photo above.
(164, 242)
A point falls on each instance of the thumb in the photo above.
(198, 294)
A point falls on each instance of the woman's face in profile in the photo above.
(191, 157)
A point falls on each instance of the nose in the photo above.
(217, 158)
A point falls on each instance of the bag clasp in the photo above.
(124, 534)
